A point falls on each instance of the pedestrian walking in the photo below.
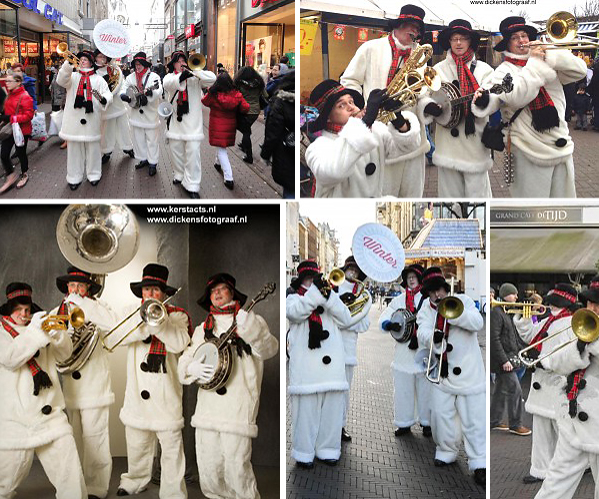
(251, 85)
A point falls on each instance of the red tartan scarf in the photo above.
(397, 54)
(468, 83)
(441, 324)
(83, 98)
(40, 377)
(139, 78)
(411, 306)
(543, 332)
(315, 332)
(333, 128)
(182, 101)
(544, 114)
(572, 393)
(156, 358)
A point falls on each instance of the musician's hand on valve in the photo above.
(125, 98)
(75, 299)
(321, 284)
(537, 50)
(184, 75)
(507, 367)
(433, 109)
(375, 99)
(438, 336)
(481, 98)
(200, 370)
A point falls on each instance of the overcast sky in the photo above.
(139, 12)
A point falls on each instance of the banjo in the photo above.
(450, 100)
(218, 351)
(406, 321)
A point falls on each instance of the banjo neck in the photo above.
(505, 86)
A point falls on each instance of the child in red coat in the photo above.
(224, 102)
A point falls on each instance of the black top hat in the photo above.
(18, 293)
(433, 279)
(153, 275)
(98, 51)
(592, 292)
(562, 296)
(88, 54)
(174, 58)
(307, 268)
(229, 280)
(76, 275)
(409, 13)
(459, 26)
(415, 268)
(324, 96)
(141, 57)
(350, 260)
(511, 25)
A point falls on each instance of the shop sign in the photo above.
(23, 48)
(307, 35)
(50, 45)
(339, 32)
(435, 36)
(557, 215)
(170, 37)
(32, 49)
(42, 8)
(362, 35)
(10, 47)
(435, 253)
(190, 31)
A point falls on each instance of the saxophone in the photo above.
(408, 84)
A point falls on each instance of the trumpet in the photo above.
(153, 313)
(63, 49)
(526, 310)
(562, 30)
(55, 322)
(336, 277)
(584, 325)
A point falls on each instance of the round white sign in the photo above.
(378, 252)
(111, 38)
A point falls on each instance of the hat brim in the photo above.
(502, 45)
(396, 23)
(205, 303)
(435, 283)
(445, 35)
(142, 62)
(404, 277)
(136, 287)
(63, 281)
(297, 282)
(321, 122)
(557, 301)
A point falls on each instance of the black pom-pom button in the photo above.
(326, 359)
(455, 132)
(449, 347)
(141, 111)
(179, 119)
(457, 371)
(76, 375)
(145, 394)
(319, 310)
(144, 367)
(325, 334)
(561, 142)
(83, 121)
(583, 416)
(222, 390)
(47, 409)
(536, 385)
(370, 168)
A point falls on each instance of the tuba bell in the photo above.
(196, 61)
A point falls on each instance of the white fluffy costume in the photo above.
(316, 380)
(35, 424)
(153, 405)
(543, 160)
(461, 390)
(412, 391)
(463, 159)
(186, 129)
(81, 129)
(115, 121)
(88, 396)
(225, 419)
(144, 120)
(368, 70)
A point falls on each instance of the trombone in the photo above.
(450, 307)
(585, 325)
(526, 310)
(63, 49)
(153, 312)
(562, 30)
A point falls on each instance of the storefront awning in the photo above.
(537, 250)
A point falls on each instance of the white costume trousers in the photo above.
(224, 465)
(83, 158)
(544, 439)
(534, 181)
(59, 460)
(145, 144)
(412, 396)
(141, 447)
(317, 419)
(566, 470)
(455, 184)
(222, 159)
(90, 427)
(454, 415)
(116, 131)
(405, 179)
(187, 163)
(349, 374)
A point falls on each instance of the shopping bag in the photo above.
(38, 127)
(55, 122)
(5, 131)
(18, 135)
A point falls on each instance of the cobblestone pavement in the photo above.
(586, 150)
(120, 180)
(376, 463)
(510, 462)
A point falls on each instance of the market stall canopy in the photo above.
(536, 250)
(446, 237)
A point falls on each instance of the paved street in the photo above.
(120, 180)
(377, 463)
(510, 462)
(586, 150)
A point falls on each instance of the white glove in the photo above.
(37, 319)
(199, 370)
(75, 299)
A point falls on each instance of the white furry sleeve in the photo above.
(338, 311)
(470, 320)
(569, 67)
(172, 332)
(398, 144)
(567, 360)
(64, 75)
(526, 328)
(15, 352)
(254, 330)
(527, 82)
(172, 84)
(299, 307)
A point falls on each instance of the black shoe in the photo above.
(402, 431)
(528, 479)
(248, 159)
(177, 182)
(480, 476)
(151, 170)
(105, 158)
(92, 497)
(426, 431)
(193, 195)
(130, 153)
(141, 164)
(330, 462)
(439, 464)
(122, 492)
(94, 182)
(304, 466)
(218, 168)
(345, 437)
(229, 184)
(74, 187)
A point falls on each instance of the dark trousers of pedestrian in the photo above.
(596, 114)
(581, 120)
(507, 392)
(6, 148)
(246, 130)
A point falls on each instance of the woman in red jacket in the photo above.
(224, 102)
(18, 108)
